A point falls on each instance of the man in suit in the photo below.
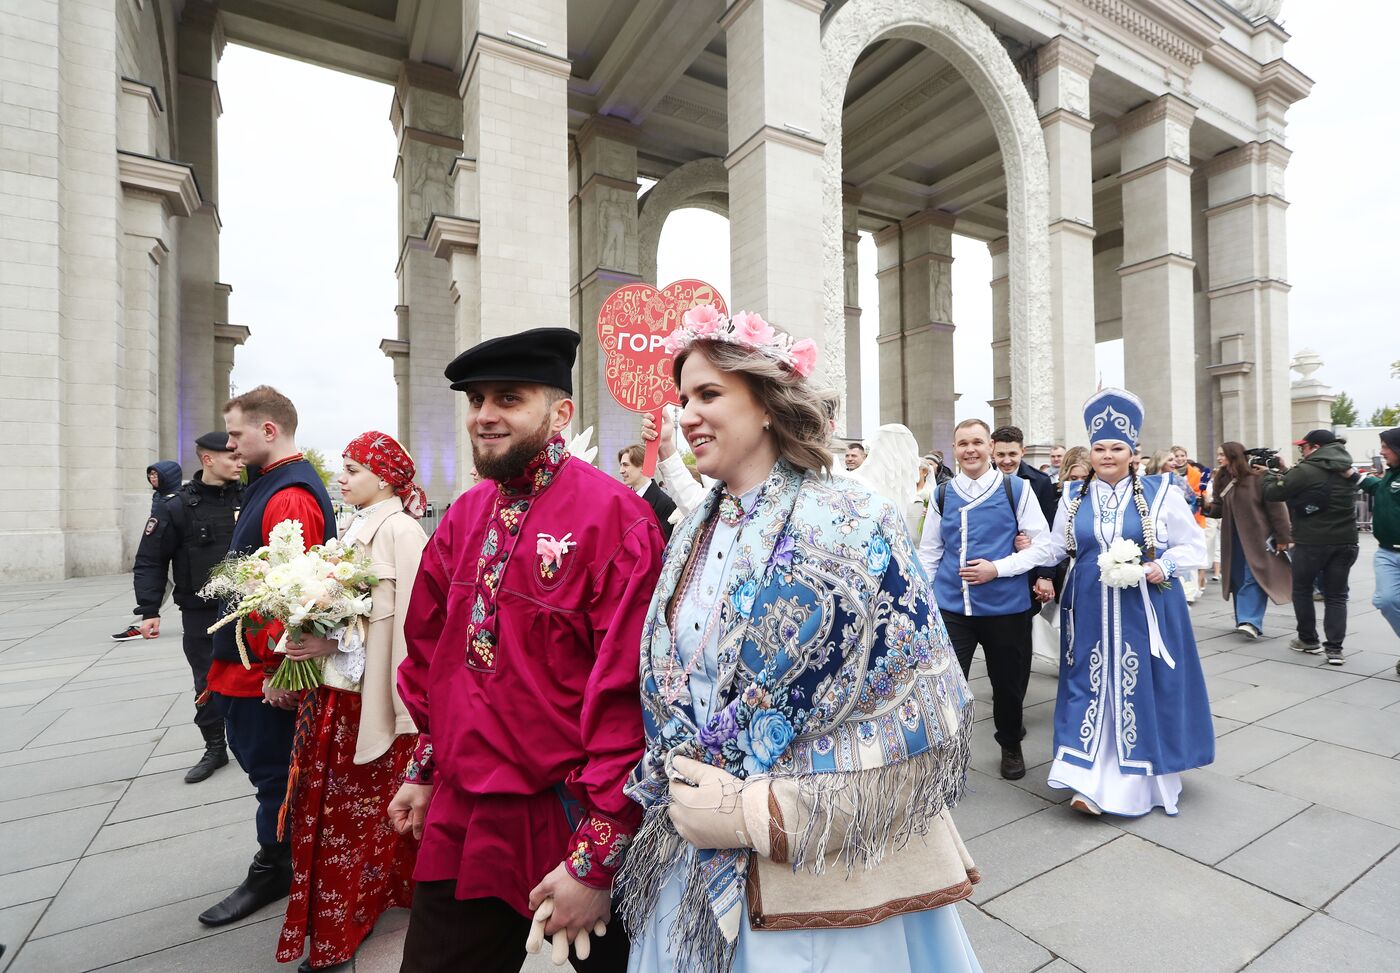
(630, 460)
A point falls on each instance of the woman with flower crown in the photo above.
(354, 734)
(807, 724)
(1131, 713)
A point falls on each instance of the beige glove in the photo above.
(559, 942)
(711, 808)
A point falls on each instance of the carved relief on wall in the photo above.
(1178, 142)
(942, 291)
(435, 113)
(613, 217)
(428, 188)
(1273, 174)
(1254, 9)
(1074, 92)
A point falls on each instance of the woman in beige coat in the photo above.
(354, 736)
(1254, 538)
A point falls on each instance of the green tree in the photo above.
(318, 459)
(1395, 369)
(1386, 415)
(1344, 411)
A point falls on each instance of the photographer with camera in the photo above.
(1254, 536)
(1320, 493)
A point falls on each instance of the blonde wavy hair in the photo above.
(801, 413)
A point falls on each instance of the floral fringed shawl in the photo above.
(835, 672)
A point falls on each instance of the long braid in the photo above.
(1149, 532)
(1073, 512)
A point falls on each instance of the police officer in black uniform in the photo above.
(192, 529)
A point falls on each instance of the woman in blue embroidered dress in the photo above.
(807, 723)
(1131, 713)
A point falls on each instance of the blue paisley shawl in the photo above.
(835, 671)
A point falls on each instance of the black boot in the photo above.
(215, 755)
(1013, 765)
(269, 879)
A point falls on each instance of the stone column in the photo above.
(227, 339)
(928, 328)
(1063, 74)
(199, 44)
(154, 193)
(1312, 400)
(1001, 332)
(397, 351)
(426, 113)
(1158, 314)
(775, 163)
(850, 234)
(889, 277)
(509, 242)
(604, 211)
(1248, 292)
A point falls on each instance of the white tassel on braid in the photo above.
(1149, 532)
(1073, 512)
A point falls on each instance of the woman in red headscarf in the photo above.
(354, 736)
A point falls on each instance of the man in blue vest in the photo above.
(260, 719)
(969, 551)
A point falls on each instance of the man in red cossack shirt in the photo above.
(260, 720)
(524, 633)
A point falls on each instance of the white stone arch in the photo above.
(701, 184)
(953, 31)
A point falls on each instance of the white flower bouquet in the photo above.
(1121, 565)
(317, 590)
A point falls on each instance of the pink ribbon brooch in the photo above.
(551, 552)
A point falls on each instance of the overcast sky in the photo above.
(307, 197)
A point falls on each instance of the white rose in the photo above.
(1124, 551)
(343, 571)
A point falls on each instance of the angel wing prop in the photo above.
(581, 446)
(891, 466)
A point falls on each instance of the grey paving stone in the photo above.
(1255, 703)
(1371, 693)
(1312, 857)
(1218, 816)
(102, 694)
(1371, 730)
(79, 770)
(1223, 662)
(143, 934)
(1250, 747)
(1059, 966)
(1199, 919)
(34, 884)
(15, 924)
(31, 755)
(383, 951)
(1370, 902)
(18, 728)
(1218, 687)
(28, 693)
(130, 880)
(123, 717)
(1017, 852)
(1223, 725)
(160, 793)
(56, 837)
(1036, 782)
(108, 792)
(18, 675)
(167, 762)
(1310, 681)
(1323, 943)
(1359, 783)
(999, 946)
(253, 946)
(178, 739)
(991, 802)
(126, 834)
(986, 752)
(1370, 663)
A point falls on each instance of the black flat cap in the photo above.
(213, 442)
(541, 356)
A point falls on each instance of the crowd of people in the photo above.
(717, 720)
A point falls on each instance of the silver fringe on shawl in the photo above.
(853, 818)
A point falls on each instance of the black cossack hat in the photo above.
(541, 356)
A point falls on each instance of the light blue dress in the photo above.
(919, 942)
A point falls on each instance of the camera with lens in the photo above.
(1263, 456)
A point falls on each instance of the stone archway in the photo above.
(951, 30)
(702, 184)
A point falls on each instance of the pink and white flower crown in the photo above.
(704, 322)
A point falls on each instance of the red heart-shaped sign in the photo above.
(632, 327)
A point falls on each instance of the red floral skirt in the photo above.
(348, 865)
